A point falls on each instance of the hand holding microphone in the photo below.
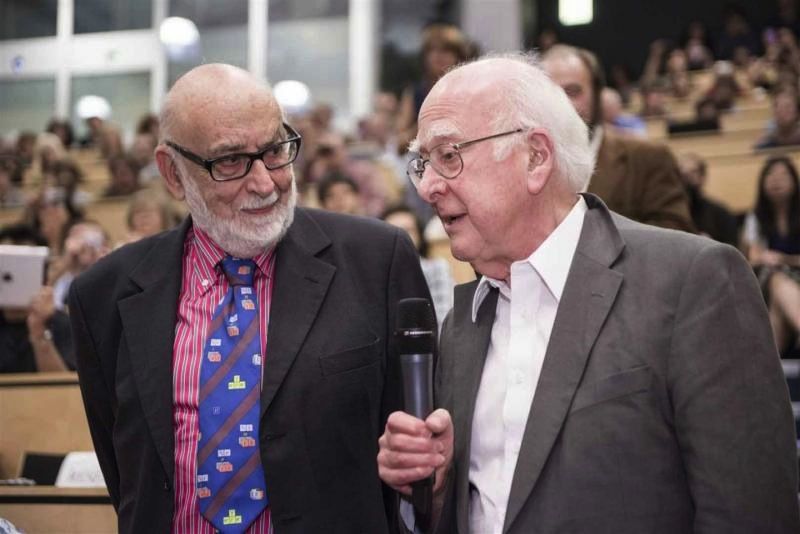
(417, 446)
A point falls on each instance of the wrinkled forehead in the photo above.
(452, 115)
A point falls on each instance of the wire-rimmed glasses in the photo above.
(446, 158)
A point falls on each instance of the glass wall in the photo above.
(21, 19)
(112, 15)
(26, 105)
(223, 34)
(128, 94)
(309, 42)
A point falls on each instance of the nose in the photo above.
(260, 180)
(432, 185)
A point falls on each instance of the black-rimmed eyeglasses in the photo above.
(446, 158)
(234, 166)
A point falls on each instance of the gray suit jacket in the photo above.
(661, 406)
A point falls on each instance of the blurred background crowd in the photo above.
(723, 97)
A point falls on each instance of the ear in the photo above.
(169, 171)
(541, 163)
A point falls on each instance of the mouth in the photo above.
(450, 220)
(262, 207)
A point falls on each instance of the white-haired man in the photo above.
(237, 371)
(602, 375)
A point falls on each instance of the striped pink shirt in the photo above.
(202, 289)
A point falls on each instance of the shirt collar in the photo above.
(208, 255)
(552, 259)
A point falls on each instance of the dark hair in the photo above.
(22, 234)
(69, 134)
(148, 123)
(331, 179)
(423, 246)
(765, 211)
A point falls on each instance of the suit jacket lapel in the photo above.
(148, 324)
(470, 346)
(590, 291)
(301, 282)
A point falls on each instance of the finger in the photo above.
(410, 443)
(401, 479)
(392, 459)
(403, 423)
(439, 422)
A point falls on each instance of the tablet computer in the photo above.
(21, 274)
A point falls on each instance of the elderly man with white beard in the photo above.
(238, 370)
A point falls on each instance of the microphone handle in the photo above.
(417, 372)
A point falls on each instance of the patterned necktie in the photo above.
(231, 490)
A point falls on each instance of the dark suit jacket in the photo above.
(641, 181)
(661, 406)
(330, 375)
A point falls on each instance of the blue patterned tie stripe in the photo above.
(231, 490)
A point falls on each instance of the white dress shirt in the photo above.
(526, 311)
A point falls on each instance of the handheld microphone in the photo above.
(416, 340)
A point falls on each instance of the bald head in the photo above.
(211, 93)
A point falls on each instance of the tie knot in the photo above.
(239, 272)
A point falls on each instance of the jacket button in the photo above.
(166, 485)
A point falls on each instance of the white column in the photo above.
(496, 25)
(257, 13)
(158, 73)
(64, 29)
(364, 48)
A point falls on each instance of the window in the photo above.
(128, 94)
(310, 43)
(223, 34)
(21, 19)
(26, 104)
(112, 15)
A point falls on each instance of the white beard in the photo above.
(249, 237)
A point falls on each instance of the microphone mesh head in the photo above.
(415, 313)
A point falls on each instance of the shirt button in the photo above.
(204, 283)
(519, 378)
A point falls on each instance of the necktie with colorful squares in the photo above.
(231, 490)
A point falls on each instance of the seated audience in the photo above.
(52, 214)
(339, 193)
(63, 129)
(103, 135)
(333, 155)
(772, 241)
(148, 124)
(710, 218)
(47, 152)
(615, 119)
(68, 175)
(85, 243)
(785, 126)
(124, 177)
(736, 32)
(149, 212)
(11, 196)
(724, 89)
(698, 53)
(436, 270)
(26, 141)
(36, 337)
(443, 46)
(142, 154)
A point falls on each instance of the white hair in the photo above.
(532, 100)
